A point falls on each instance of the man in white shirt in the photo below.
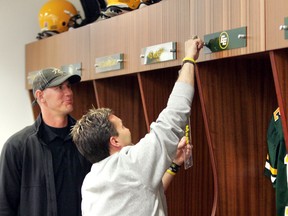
(126, 179)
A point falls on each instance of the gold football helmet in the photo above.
(57, 16)
(117, 7)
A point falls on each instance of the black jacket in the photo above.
(26, 174)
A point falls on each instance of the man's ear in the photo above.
(114, 142)
(39, 96)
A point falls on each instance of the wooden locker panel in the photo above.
(122, 95)
(208, 17)
(109, 37)
(164, 22)
(275, 14)
(155, 87)
(190, 188)
(84, 98)
(239, 99)
(63, 49)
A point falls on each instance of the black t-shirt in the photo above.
(66, 166)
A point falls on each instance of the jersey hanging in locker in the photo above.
(276, 163)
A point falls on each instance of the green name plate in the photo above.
(285, 28)
(225, 40)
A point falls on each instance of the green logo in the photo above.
(223, 40)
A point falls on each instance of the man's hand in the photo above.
(179, 158)
(193, 47)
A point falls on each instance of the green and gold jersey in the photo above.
(276, 163)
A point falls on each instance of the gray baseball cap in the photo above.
(50, 77)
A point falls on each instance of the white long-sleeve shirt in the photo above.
(129, 182)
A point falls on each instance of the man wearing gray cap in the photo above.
(41, 170)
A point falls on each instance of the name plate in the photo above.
(225, 40)
(72, 68)
(158, 53)
(109, 63)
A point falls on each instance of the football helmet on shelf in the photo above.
(117, 7)
(57, 16)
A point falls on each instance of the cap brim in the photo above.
(72, 78)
